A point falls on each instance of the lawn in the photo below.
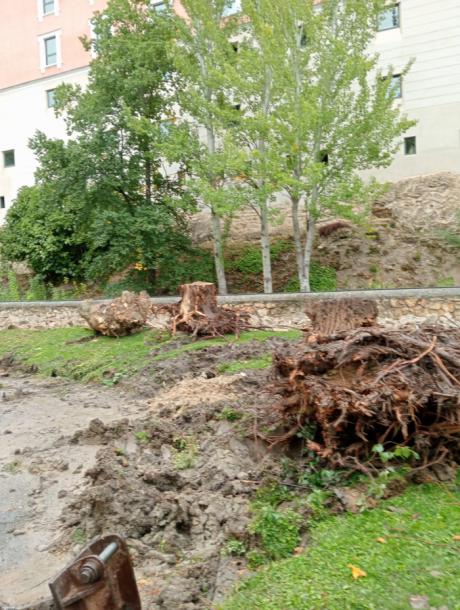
(408, 547)
(78, 354)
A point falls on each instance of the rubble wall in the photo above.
(395, 306)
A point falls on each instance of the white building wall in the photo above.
(430, 35)
(23, 111)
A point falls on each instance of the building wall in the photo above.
(430, 36)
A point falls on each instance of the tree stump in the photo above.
(124, 315)
(334, 315)
(199, 314)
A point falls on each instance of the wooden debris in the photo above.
(355, 390)
(124, 315)
(198, 313)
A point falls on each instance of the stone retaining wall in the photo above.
(395, 307)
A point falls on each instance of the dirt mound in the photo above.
(177, 486)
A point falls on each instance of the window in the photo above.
(232, 8)
(48, 7)
(2, 203)
(390, 18)
(410, 145)
(160, 6)
(50, 98)
(50, 45)
(396, 86)
(8, 158)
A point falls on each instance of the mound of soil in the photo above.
(176, 484)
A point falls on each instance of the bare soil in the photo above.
(155, 461)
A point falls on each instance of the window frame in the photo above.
(2, 202)
(407, 140)
(5, 153)
(48, 97)
(42, 46)
(391, 7)
(232, 10)
(41, 9)
(159, 6)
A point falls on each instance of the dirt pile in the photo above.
(369, 395)
(177, 485)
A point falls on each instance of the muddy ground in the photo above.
(156, 460)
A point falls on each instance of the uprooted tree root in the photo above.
(350, 392)
(198, 313)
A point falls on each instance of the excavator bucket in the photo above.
(101, 578)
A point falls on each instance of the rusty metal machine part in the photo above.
(101, 578)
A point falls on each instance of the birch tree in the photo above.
(202, 52)
(335, 116)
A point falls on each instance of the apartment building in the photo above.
(40, 48)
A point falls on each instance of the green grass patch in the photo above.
(237, 366)
(78, 354)
(58, 352)
(245, 337)
(419, 557)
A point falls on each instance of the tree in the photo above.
(251, 80)
(110, 190)
(335, 116)
(202, 55)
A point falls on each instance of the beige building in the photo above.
(40, 48)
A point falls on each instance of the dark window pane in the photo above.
(48, 7)
(50, 51)
(8, 158)
(410, 145)
(396, 86)
(232, 8)
(2, 203)
(50, 98)
(390, 18)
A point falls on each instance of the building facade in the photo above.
(41, 48)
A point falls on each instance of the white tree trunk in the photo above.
(311, 230)
(265, 244)
(218, 253)
(298, 241)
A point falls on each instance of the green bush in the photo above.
(322, 279)
(37, 290)
(249, 261)
(278, 530)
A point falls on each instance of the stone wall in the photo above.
(424, 203)
(280, 310)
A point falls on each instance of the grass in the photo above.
(418, 557)
(237, 366)
(78, 354)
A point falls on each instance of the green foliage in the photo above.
(102, 201)
(278, 530)
(250, 260)
(403, 453)
(446, 282)
(142, 436)
(419, 558)
(237, 366)
(37, 290)
(322, 279)
(13, 293)
(186, 450)
(230, 414)
(235, 547)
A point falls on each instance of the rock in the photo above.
(419, 602)
(125, 315)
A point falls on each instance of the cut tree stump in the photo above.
(198, 313)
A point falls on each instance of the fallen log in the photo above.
(356, 394)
